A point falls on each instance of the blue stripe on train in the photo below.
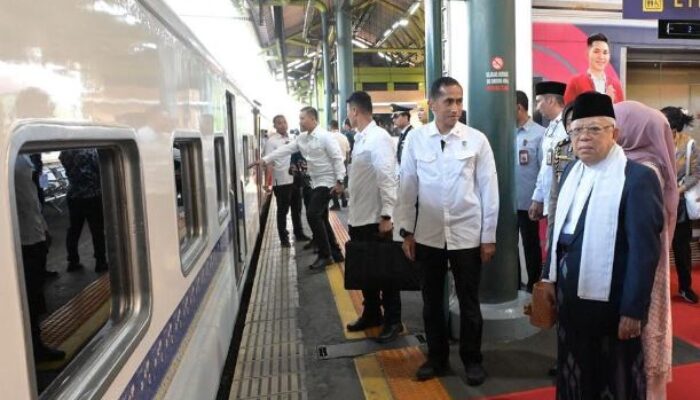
(149, 375)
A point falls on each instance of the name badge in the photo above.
(550, 157)
(524, 157)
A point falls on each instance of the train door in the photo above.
(235, 197)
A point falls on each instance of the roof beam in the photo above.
(387, 50)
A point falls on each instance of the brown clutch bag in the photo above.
(542, 311)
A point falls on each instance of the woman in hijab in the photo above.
(646, 137)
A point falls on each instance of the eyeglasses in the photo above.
(593, 130)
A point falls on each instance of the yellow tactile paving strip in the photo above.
(62, 323)
(388, 369)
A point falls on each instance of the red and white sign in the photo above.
(497, 63)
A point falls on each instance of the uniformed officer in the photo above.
(528, 142)
(550, 103)
(402, 122)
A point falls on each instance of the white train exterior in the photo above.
(128, 77)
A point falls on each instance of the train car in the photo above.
(123, 92)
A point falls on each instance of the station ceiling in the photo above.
(386, 33)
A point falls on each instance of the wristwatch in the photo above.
(386, 217)
(404, 233)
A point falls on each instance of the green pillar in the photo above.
(327, 81)
(433, 43)
(491, 109)
(343, 18)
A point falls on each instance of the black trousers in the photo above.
(90, 210)
(288, 197)
(34, 262)
(317, 214)
(390, 299)
(530, 232)
(681, 251)
(466, 269)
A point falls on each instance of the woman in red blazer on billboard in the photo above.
(595, 78)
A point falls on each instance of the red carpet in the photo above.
(686, 317)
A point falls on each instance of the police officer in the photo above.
(402, 122)
(550, 103)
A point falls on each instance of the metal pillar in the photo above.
(327, 81)
(433, 43)
(491, 109)
(345, 77)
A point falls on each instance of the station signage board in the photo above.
(661, 9)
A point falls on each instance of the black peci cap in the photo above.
(399, 108)
(593, 104)
(550, 87)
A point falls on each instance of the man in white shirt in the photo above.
(282, 184)
(550, 103)
(448, 170)
(325, 167)
(344, 144)
(34, 240)
(373, 188)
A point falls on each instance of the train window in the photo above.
(86, 289)
(189, 196)
(221, 181)
(399, 86)
(375, 86)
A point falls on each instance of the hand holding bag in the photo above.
(691, 195)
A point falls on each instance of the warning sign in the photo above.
(497, 80)
(497, 63)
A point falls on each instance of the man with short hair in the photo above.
(449, 172)
(550, 103)
(402, 122)
(595, 78)
(604, 250)
(528, 142)
(373, 188)
(325, 167)
(283, 184)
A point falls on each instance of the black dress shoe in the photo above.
(301, 238)
(285, 243)
(338, 257)
(334, 208)
(552, 371)
(431, 369)
(363, 323)
(476, 375)
(50, 274)
(44, 353)
(321, 263)
(389, 333)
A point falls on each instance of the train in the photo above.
(182, 213)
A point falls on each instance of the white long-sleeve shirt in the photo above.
(280, 167)
(371, 177)
(322, 153)
(554, 134)
(456, 188)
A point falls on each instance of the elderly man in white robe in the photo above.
(604, 250)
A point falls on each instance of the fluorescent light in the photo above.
(403, 22)
(396, 25)
(294, 63)
(359, 44)
(387, 33)
(414, 7)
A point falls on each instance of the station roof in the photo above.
(385, 33)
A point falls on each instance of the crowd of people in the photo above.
(607, 175)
